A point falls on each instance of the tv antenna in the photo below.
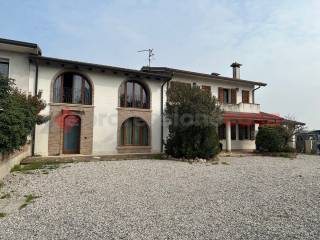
(150, 55)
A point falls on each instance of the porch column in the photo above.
(228, 136)
(237, 131)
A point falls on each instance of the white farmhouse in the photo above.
(100, 110)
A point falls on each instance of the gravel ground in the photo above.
(252, 198)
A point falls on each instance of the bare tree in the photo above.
(293, 127)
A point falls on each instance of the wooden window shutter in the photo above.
(233, 96)
(245, 96)
(220, 97)
(206, 89)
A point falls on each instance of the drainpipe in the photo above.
(253, 93)
(33, 134)
(161, 134)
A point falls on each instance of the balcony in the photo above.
(241, 107)
(73, 96)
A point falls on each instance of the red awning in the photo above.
(250, 118)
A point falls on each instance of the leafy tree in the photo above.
(193, 116)
(19, 113)
(271, 139)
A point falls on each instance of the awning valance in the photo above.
(261, 118)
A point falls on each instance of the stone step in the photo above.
(91, 158)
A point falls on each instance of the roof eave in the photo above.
(22, 44)
(204, 75)
(101, 67)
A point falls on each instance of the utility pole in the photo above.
(150, 55)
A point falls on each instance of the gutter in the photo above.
(161, 107)
(33, 134)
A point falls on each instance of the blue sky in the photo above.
(278, 42)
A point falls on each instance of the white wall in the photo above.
(18, 68)
(45, 74)
(155, 87)
(240, 144)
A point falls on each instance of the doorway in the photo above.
(71, 134)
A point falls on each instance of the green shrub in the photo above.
(288, 149)
(19, 113)
(193, 117)
(271, 139)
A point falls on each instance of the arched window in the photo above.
(134, 131)
(134, 95)
(72, 88)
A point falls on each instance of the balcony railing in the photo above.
(74, 96)
(241, 107)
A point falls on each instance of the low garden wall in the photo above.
(7, 161)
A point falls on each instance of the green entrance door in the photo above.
(71, 135)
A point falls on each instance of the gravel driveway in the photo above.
(252, 198)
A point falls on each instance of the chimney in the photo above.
(236, 70)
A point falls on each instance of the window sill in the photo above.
(133, 146)
(134, 149)
(134, 109)
(71, 105)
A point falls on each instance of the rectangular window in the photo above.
(4, 68)
(246, 132)
(233, 132)
(245, 96)
(226, 96)
(243, 132)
